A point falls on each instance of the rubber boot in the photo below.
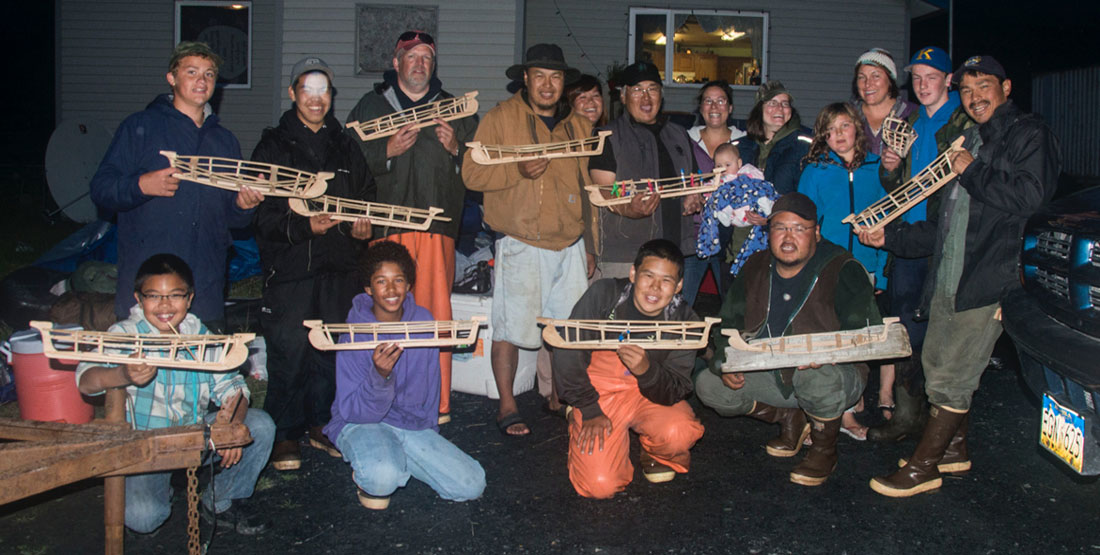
(921, 472)
(793, 428)
(955, 457)
(821, 459)
(908, 420)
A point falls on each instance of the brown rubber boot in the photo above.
(955, 457)
(921, 474)
(793, 428)
(821, 459)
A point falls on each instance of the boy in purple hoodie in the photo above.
(386, 413)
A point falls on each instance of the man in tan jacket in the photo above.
(540, 267)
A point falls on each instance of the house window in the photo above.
(696, 46)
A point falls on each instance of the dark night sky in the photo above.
(1025, 35)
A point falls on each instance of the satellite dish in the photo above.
(72, 157)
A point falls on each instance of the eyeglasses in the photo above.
(173, 297)
(798, 229)
(773, 104)
(413, 35)
(715, 101)
(639, 91)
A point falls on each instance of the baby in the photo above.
(744, 199)
(743, 216)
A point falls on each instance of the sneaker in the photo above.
(371, 502)
(237, 517)
(317, 440)
(286, 455)
(654, 471)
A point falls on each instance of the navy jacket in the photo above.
(194, 224)
(784, 163)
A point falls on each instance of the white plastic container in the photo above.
(471, 370)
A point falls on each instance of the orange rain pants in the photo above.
(435, 269)
(665, 432)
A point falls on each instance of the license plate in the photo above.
(1063, 433)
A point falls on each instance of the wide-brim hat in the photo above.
(546, 56)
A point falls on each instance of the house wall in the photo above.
(475, 43)
(812, 46)
(112, 56)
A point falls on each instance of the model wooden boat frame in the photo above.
(488, 155)
(898, 135)
(349, 210)
(369, 335)
(620, 192)
(612, 334)
(211, 353)
(909, 194)
(231, 174)
(881, 341)
(447, 109)
(40, 456)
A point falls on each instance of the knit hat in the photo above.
(796, 203)
(770, 90)
(984, 64)
(411, 39)
(882, 58)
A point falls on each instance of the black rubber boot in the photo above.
(909, 417)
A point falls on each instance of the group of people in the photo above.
(771, 234)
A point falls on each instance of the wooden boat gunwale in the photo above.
(447, 109)
(381, 214)
(612, 333)
(279, 181)
(326, 337)
(667, 187)
(482, 153)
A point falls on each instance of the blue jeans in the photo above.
(149, 496)
(384, 457)
(695, 269)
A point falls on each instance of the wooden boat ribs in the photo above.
(369, 335)
(212, 353)
(502, 154)
(912, 192)
(898, 135)
(877, 342)
(611, 334)
(230, 174)
(349, 210)
(620, 192)
(447, 109)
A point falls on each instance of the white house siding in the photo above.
(812, 45)
(476, 42)
(112, 56)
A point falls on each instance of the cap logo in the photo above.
(973, 61)
(925, 54)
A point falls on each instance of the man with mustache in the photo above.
(419, 168)
(643, 144)
(1009, 169)
(309, 262)
(540, 267)
(801, 284)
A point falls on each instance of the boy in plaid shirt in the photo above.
(164, 397)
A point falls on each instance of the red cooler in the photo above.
(43, 393)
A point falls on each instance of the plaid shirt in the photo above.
(174, 397)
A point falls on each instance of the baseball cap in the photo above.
(931, 56)
(308, 64)
(798, 203)
(984, 64)
(410, 39)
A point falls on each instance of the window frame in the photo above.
(670, 45)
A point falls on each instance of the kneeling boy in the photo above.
(385, 419)
(630, 388)
(164, 397)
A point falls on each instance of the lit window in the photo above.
(696, 46)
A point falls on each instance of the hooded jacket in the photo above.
(193, 224)
(1014, 174)
(545, 212)
(424, 176)
(407, 399)
(781, 162)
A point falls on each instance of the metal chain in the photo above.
(193, 545)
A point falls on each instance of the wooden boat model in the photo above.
(212, 353)
(877, 342)
(488, 155)
(230, 174)
(611, 334)
(909, 194)
(620, 192)
(349, 210)
(898, 135)
(447, 109)
(427, 333)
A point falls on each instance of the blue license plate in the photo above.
(1063, 433)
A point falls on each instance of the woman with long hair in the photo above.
(776, 142)
(875, 94)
